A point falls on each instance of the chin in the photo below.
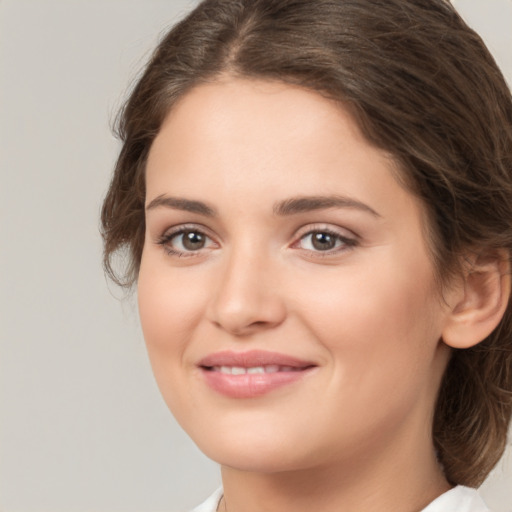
(254, 459)
(261, 450)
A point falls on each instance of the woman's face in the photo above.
(286, 292)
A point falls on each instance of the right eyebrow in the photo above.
(178, 203)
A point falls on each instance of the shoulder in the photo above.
(458, 499)
(211, 504)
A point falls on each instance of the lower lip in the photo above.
(251, 385)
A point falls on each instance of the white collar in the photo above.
(458, 499)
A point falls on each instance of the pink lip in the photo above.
(250, 385)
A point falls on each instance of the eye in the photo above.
(190, 240)
(325, 241)
(185, 242)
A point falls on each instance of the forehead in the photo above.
(248, 127)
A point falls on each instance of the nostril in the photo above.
(244, 305)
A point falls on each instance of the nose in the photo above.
(247, 298)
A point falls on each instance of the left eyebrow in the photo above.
(303, 204)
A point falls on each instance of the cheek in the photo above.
(170, 308)
(376, 323)
(171, 304)
(168, 303)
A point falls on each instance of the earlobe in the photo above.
(479, 301)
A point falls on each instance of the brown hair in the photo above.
(421, 85)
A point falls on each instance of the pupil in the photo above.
(193, 240)
(323, 241)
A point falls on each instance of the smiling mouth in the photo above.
(252, 370)
(251, 374)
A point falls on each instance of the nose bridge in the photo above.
(246, 298)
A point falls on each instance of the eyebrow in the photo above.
(178, 203)
(291, 206)
(304, 204)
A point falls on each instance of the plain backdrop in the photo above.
(82, 425)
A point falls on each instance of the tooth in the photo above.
(287, 368)
(272, 368)
(238, 370)
(256, 369)
(225, 369)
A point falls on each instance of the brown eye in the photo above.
(186, 242)
(323, 241)
(192, 240)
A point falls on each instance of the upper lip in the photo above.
(252, 358)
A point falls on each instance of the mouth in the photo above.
(253, 373)
(252, 370)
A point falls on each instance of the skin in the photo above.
(355, 433)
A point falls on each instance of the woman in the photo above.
(316, 200)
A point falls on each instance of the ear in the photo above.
(479, 300)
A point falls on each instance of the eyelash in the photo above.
(346, 243)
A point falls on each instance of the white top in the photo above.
(458, 499)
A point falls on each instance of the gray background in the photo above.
(82, 425)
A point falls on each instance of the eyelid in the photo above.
(327, 228)
(187, 226)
